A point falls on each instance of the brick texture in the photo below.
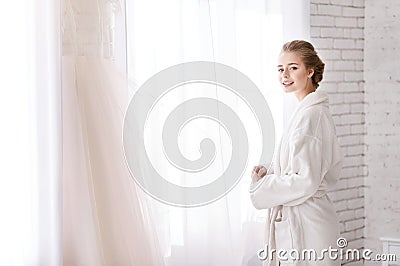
(382, 86)
(337, 31)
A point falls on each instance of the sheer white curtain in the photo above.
(30, 116)
(246, 35)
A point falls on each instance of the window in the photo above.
(246, 35)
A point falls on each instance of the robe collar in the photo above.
(313, 98)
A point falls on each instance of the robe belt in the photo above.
(275, 215)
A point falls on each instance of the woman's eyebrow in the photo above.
(288, 64)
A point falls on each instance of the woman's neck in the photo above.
(303, 93)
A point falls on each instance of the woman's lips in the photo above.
(287, 84)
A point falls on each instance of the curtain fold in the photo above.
(30, 115)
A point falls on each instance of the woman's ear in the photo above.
(310, 72)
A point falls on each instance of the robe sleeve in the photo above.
(297, 185)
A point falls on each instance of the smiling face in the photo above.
(293, 75)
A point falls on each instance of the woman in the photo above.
(306, 164)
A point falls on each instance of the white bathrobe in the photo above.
(306, 164)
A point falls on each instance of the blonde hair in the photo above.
(308, 56)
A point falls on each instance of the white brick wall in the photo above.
(337, 31)
(382, 87)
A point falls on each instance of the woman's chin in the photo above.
(287, 89)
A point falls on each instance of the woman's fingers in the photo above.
(255, 177)
(262, 172)
(256, 168)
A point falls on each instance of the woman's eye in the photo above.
(293, 68)
(280, 70)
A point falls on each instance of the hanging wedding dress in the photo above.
(105, 221)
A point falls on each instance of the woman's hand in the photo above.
(258, 172)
